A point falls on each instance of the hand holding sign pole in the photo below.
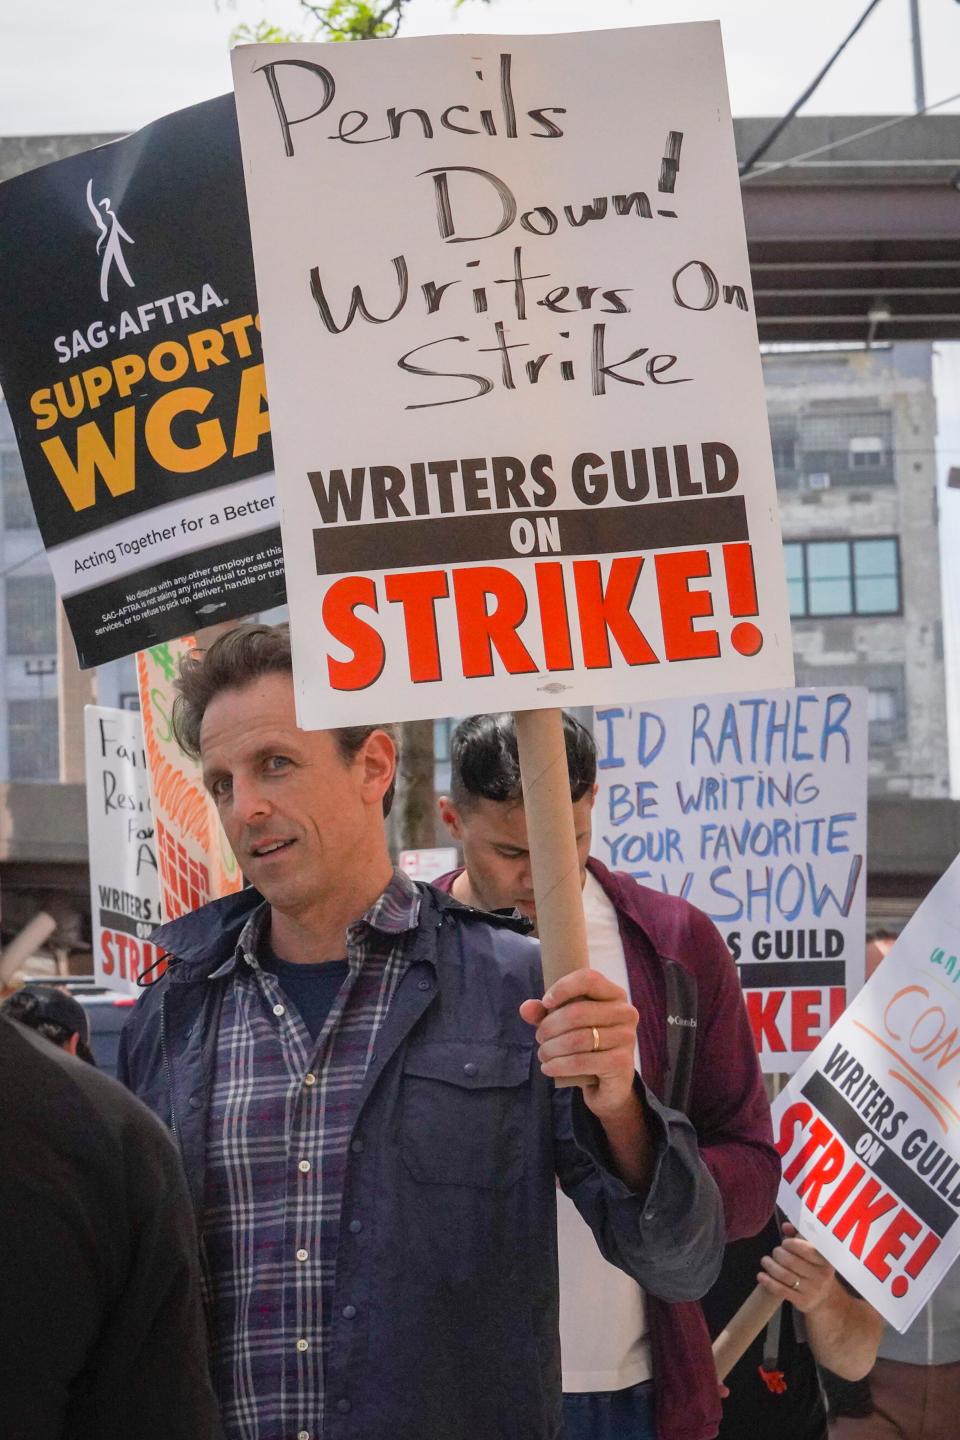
(557, 887)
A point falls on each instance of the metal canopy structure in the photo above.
(850, 239)
(855, 240)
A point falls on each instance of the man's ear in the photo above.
(593, 795)
(378, 759)
(70, 1045)
(450, 816)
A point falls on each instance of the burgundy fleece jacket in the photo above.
(727, 1106)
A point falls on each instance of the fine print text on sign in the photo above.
(869, 1126)
(753, 808)
(515, 385)
(124, 881)
(130, 360)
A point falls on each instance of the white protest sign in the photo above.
(515, 388)
(124, 881)
(869, 1127)
(428, 864)
(753, 808)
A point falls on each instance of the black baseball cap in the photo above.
(34, 1003)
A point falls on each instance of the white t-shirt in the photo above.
(603, 1322)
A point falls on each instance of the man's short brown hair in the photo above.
(234, 660)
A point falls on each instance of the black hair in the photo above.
(484, 764)
(27, 1007)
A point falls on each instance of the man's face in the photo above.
(297, 815)
(496, 850)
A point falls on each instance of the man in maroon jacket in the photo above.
(627, 1354)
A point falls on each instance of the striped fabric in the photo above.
(281, 1115)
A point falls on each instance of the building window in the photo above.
(843, 577)
(866, 452)
(32, 738)
(17, 505)
(31, 615)
(847, 446)
(783, 442)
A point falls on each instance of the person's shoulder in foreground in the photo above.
(101, 1330)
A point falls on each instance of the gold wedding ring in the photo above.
(596, 1038)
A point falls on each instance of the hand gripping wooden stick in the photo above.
(551, 835)
(754, 1315)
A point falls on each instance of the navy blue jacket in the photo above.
(448, 1233)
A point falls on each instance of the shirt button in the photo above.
(423, 984)
(303, 1435)
(349, 1311)
(344, 1406)
(195, 1101)
(303, 1345)
(356, 1146)
(279, 1010)
(355, 1227)
(304, 1167)
(303, 1255)
(649, 1214)
(471, 1069)
(310, 1079)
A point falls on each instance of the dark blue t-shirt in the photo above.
(312, 989)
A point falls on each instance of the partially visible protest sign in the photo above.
(869, 1127)
(511, 275)
(754, 808)
(428, 864)
(196, 863)
(130, 359)
(124, 883)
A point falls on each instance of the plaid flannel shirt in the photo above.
(281, 1117)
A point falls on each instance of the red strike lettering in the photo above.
(866, 1207)
(802, 1028)
(819, 1136)
(340, 606)
(567, 600)
(126, 957)
(418, 592)
(823, 1172)
(796, 1116)
(680, 606)
(890, 1245)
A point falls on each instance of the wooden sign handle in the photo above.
(754, 1315)
(552, 837)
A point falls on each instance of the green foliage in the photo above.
(263, 33)
(335, 20)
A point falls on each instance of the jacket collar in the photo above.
(197, 944)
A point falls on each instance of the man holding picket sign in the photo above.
(562, 429)
(348, 1062)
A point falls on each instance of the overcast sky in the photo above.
(96, 66)
(109, 65)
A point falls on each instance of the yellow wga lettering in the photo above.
(180, 425)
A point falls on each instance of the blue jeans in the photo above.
(610, 1415)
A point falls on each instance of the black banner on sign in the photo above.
(788, 973)
(510, 536)
(131, 363)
